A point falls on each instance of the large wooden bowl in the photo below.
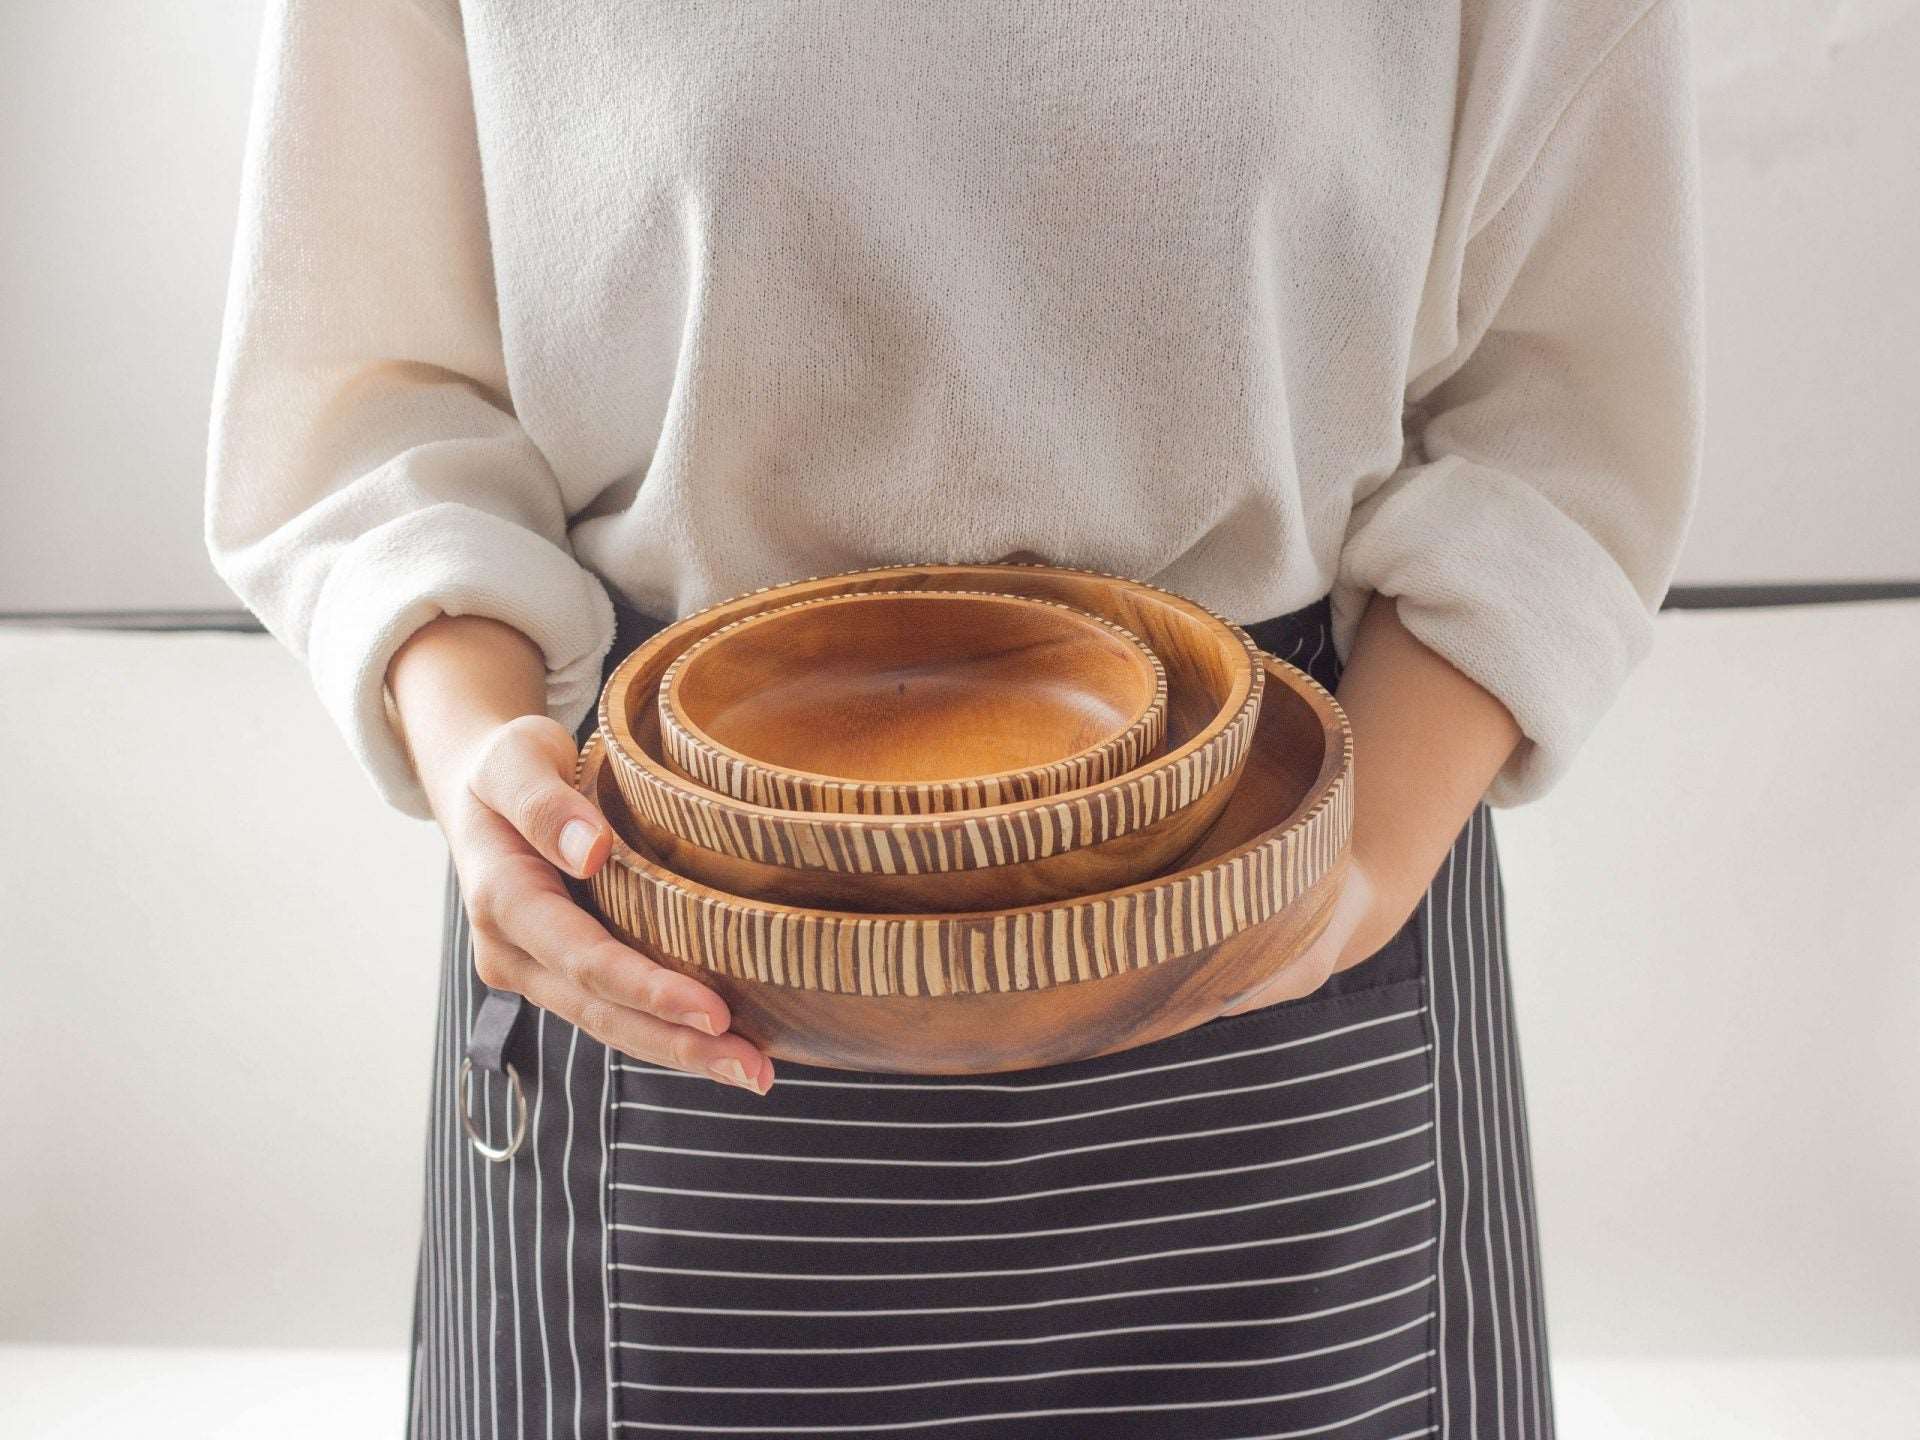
(911, 703)
(1096, 838)
(1035, 985)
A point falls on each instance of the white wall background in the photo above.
(121, 128)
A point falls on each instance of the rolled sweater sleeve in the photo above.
(1533, 530)
(366, 470)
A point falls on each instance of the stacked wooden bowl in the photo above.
(967, 818)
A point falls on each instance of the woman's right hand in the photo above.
(502, 790)
(514, 822)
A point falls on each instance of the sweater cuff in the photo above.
(448, 559)
(1491, 575)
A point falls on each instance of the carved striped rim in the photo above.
(1029, 948)
(1011, 834)
(727, 772)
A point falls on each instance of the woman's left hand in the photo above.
(1367, 913)
(1427, 741)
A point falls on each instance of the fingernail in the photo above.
(698, 1019)
(734, 1073)
(576, 839)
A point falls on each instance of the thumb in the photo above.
(525, 775)
(1308, 970)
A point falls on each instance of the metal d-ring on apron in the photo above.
(486, 1050)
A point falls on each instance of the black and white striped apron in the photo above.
(1310, 1219)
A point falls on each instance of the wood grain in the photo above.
(911, 703)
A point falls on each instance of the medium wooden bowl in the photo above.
(911, 703)
(1085, 840)
(1007, 989)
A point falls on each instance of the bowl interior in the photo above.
(925, 686)
(1210, 674)
(1292, 761)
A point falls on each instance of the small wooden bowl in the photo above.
(1007, 989)
(911, 703)
(1095, 838)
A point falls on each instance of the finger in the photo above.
(520, 897)
(496, 962)
(727, 1059)
(1357, 919)
(554, 930)
(1302, 975)
(525, 774)
(1308, 970)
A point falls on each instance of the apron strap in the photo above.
(486, 1050)
(487, 1040)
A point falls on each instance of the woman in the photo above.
(1374, 328)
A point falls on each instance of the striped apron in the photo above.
(1310, 1219)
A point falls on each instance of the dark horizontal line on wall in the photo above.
(1681, 597)
(238, 621)
(1743, 597)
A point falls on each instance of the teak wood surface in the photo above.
(1006, 989)
(911, 703)
(1095, 838)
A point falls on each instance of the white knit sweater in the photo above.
(1255, 301)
